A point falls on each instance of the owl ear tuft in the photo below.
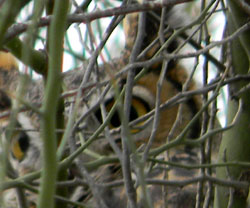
(9, 72)
(8, 61)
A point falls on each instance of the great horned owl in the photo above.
(99, 95)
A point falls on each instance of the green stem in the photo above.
(50, 104)
(235, 142)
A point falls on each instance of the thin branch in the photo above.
(17, 29)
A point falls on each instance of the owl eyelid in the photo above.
(142, 93)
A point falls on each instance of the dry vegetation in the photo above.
(127, 127)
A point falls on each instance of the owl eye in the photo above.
(20, 145)
(139, 107)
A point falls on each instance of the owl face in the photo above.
(142, 103)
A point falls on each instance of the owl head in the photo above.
(97, 116)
